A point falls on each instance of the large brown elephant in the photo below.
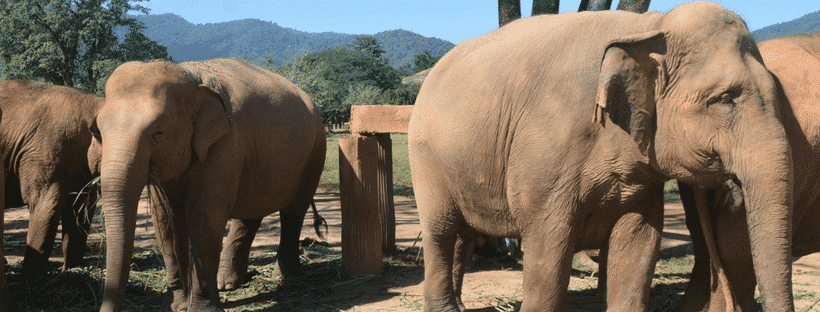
(561, 130)
(721, 283)
(43, 139)
(5, 300)
(225, 139)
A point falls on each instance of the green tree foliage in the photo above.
(70, 42)
(361, 94)
(403, 95)
(337, 78)
(368, 44)
(424, 60)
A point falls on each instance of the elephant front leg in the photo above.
(44, 210)
(233, 265)
(548, 251)
(206, 241)
(171, 255)
(633, 252)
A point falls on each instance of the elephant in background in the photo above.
(44, 138)
(560, 130)
(720, 281)
(224, 139)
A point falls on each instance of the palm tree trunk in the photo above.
(595, 5)
(637, 6)
(508, 11)
(544, 7)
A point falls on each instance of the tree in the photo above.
(510, 10)
(424, 60)
(595, 5)
(368, 44)
(70, 42)
(544, 7)
(637, 6)
(336, 78)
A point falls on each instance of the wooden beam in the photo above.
(372, 119)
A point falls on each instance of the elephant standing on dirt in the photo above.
(225, 139)
(722, 254)
(561, 130)
(44, 138)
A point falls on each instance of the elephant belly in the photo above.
(493, 218)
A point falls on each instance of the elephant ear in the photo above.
(211, 121)
(632, 73)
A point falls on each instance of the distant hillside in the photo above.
(806, 24)
(251, 39)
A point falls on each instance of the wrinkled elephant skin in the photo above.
(44, 137)
(795, 61)
(560, 130)
(224, 139)
(5, 300)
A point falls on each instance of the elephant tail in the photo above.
(318, 221)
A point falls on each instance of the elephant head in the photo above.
(156, 117)
(708, 115)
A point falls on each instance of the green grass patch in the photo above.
(670, 191)
(402, 181)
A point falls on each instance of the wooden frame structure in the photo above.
(366, 186)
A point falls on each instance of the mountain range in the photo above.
(251, 39)
(805, 24)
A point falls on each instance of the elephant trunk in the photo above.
(124, 173)
(763, 167)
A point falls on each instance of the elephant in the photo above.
(44, 137)
(560, 131)
(722, 255)
(5, 299)
(218, 139)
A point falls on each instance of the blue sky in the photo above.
(451, 20)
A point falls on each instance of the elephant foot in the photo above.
(180, 302)
(229, 279)
(205, 306)
(289, 272)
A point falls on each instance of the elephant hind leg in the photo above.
(76, 220)
(291, 220)
(465, 244)
(233, 264)
(440, 224)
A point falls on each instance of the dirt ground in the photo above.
(490, 285)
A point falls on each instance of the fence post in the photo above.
(362, 238)
(366, 186)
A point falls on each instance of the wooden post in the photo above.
(362, 237)
(366, 186)
(385, 192)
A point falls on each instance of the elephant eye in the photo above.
(727, 98)
(159, 136)
(95, 131)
